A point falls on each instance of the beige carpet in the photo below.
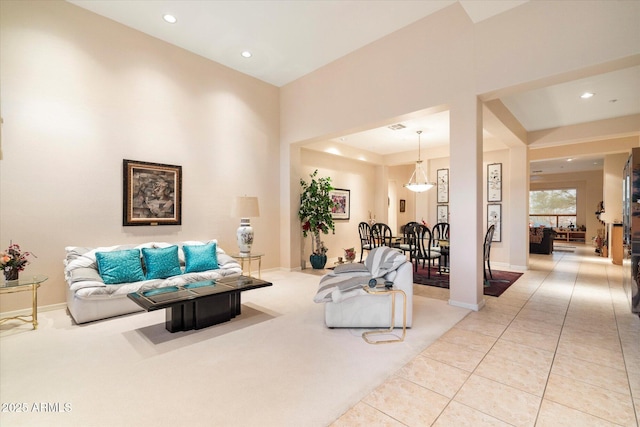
(275, 365)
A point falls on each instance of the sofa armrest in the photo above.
(403, 279)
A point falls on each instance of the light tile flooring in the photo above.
(558, 348)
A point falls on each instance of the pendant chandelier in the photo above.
(418, 182)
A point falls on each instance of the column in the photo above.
(465, 201)
(518, 209)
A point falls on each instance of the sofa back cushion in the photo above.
(120, 266)
(161, 262)
(200, 257)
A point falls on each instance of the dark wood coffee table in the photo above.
(200, 304)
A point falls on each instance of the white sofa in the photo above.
(348, 305)
(89, 298)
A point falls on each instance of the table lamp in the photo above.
(245, 207)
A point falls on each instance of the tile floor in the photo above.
(558, 348)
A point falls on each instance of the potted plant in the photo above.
(315, 215)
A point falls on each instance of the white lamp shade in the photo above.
(245, 207)
(418, 182)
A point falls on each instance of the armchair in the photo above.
(541, 240)
(348, 305)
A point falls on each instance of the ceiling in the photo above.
(289, 39)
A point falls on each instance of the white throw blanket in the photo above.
(347, 279)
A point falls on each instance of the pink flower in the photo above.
(14, 258)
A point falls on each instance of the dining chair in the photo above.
(488, 238)
(408, 243)
(440, 231)
(381, 235)
(423, 252)
(364, 229)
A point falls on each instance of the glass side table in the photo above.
(393, 292)
(27, 283)
(240, 256)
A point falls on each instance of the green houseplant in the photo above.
(315, 215)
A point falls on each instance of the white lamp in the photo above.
(245, 207)
(418, 182)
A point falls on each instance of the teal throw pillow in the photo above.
(161, 262)
(120, 266)
(200, 257)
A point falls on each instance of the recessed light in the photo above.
(569, 160)
(587, 95)
(170, 19)
(246, 54)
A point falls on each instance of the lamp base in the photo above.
(245, 235)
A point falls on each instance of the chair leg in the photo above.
(489, 268)
(361, 254)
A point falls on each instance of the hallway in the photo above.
(559, 348)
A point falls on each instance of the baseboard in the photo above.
(474, 307)
(518, 268)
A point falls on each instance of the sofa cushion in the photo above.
(200, 257)
(85, 274)
(120, 266)
(161, 262)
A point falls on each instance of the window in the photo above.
(552, 208)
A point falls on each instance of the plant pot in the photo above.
(11, 274)
(318, 261)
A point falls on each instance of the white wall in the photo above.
(81, 93)
(419, 66)
(352, 175)
(613, 171)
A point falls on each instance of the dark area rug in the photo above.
(500, 282)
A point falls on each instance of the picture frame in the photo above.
(342, 200)
(494, 217)
(442, 213)
(403, 205)
(152, 193)
(494, 182)
(442, 182)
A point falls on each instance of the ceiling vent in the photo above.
(397, 126)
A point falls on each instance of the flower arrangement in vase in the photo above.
(13, 261)
(350, 254)
(315, 215)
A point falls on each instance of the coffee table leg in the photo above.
(180, 317)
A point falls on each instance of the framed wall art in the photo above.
(152, 193)
(494, 182)
(342, 200)
(494, 216)
(443, 213)
(403, 205)
(443, 185)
